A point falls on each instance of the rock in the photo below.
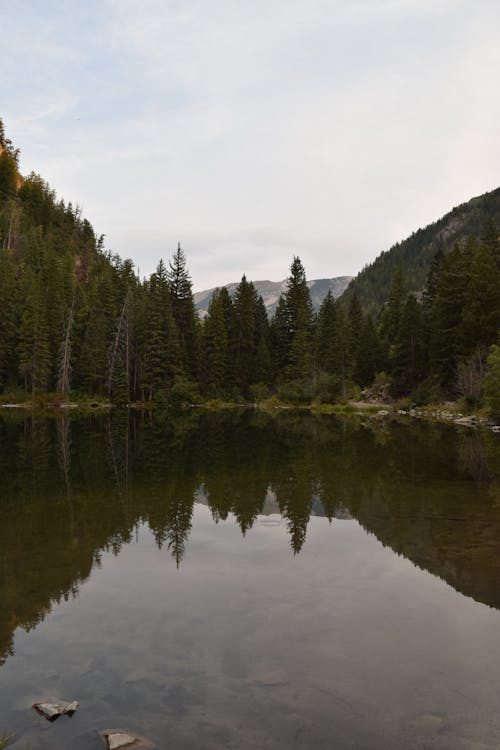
(466, 421)
(115, 739)
(382, 413)
(118, 740)
(430, 723)
(53, 709)
(496, 428)
(269, 679)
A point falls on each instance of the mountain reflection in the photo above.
(74, 488)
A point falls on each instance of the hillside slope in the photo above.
(414, 255)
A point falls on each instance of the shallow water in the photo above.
(246, 581)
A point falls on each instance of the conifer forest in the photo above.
(76, 320)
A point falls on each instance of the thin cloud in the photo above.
(253, 131)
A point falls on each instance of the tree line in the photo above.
(76, 319)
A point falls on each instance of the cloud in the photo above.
(252, 131)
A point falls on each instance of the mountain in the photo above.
(271, 290)
(414, 255)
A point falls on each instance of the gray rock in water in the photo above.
(270, 679)
(53, 709)
(116, 739)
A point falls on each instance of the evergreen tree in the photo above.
(368, 353)
(243, 336)
(480, 315)
(391, 315)
(409, 353)
(263, 362)
(33, 346)
(184, 312)
(325, 341)
(161, 346)
(293, 327)
(8, 318)
(355, 316)
(341, 351)
(216, 350)
(445, 316)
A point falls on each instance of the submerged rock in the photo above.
(51, 710)
(115, 739)
(270, 679)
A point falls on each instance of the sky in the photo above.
(255, 131)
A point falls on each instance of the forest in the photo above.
(76, 320)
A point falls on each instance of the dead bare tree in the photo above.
(471, 375)
(120, 345)
(64, 379)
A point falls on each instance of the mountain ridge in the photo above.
(414, 255)
(271, 290)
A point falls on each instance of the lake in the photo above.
(250, 581)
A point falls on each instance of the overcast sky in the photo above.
(253, 130)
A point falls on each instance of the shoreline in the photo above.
(444, 413)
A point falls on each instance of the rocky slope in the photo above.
(271, 290)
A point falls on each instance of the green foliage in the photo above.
(4, 738)
(216, 345)
(184, 313)
(492, 382)
(328, 388)
(76, 319)
(293, 328)
(415, 255)
(182, 394)
(296, 392)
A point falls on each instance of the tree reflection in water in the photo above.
(74, 488)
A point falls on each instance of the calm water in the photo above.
(249, 582)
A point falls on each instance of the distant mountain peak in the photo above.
(270, 292)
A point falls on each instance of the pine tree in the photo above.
(184, 312)
(293, 327)
(391, 314)
(33, 346)
(368, 353)
(8, 318)
(409, 353)
(263, 362)
(355, 316)
(216, 350)
(161, 358)
(243, 336)
(325, 341)
(480, 315)
(445, 315)
(341, 363)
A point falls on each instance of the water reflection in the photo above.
(74, 488)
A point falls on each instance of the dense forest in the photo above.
(75, 319)
(475, 218)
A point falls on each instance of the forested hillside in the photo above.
(75, 320)
(477, 218)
